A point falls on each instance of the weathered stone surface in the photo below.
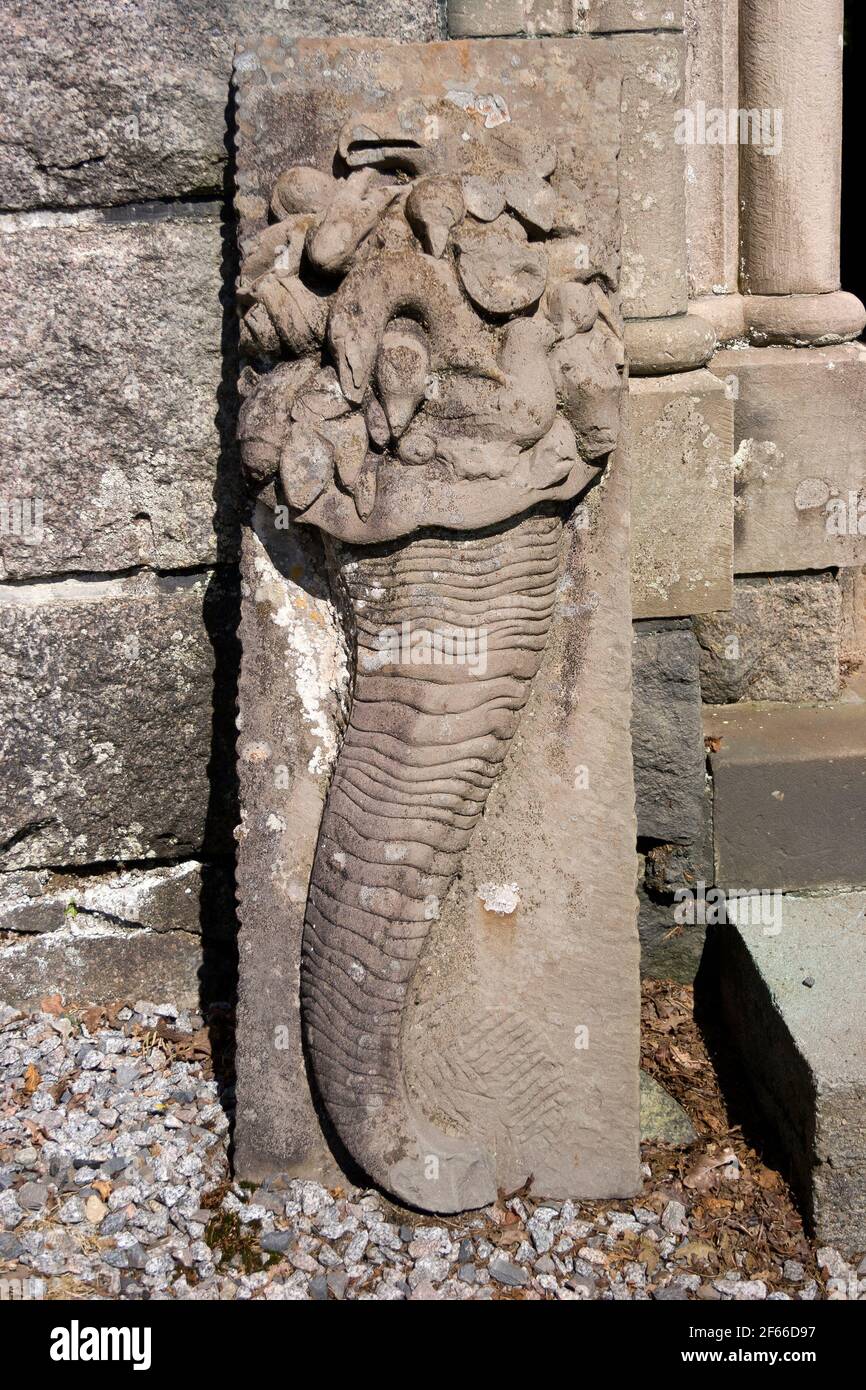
(100, 965)
(100, 105)
(667, 738)
(669, 950)
(790, 67)
(781, 641)
(852, 584)
(498, 18)
(652, 169)
(801, 456)
(678, 343)
(662, 1119)
(108, 719)
(804, 320)
(112, 411)
(672, 889)
(294, 678)
(190, 897)
(789, 795)
(792, 1003)
(411, 920)
(680, 444)
(712, 213)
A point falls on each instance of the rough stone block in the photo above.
(669, 950)
(672, 880)
(189, 897)
(680, 444)
(781, 641)
(801, 456)
(667, 738)
(789, 800)
(101, 965)
(792, 1002)
(113, 414)
(100, 108)
(108, 717)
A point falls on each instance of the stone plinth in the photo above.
(792, 1000)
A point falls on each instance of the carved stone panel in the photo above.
(437, 895)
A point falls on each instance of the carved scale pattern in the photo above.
(421, 751)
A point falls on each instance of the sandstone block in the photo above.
(712, 213)
(667, 739)
(499, 18)
(108, 719)
(408, 948)
(652, 174)
(792, 1005)
(801, 456)
(781, 641)
(789, 794)
(680, 443)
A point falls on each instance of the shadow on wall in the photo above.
(221, 616)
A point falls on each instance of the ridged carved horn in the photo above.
(418, 760)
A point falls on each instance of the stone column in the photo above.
(790, 172)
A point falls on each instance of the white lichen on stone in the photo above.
(503, 898)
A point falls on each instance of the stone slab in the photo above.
(102, 965)
(789, 795)
(667, 738)
(108, 718)
(801, 456)
(500, 18)
(680, 443)
(190, 897)
(96, 108)
(113, 411)
(780, 641)
(792, 1003)
(559, 966)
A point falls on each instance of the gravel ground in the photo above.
(115, 1183)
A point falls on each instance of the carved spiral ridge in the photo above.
(423, 746)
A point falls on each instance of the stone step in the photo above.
(789, 794)
(791, 997)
